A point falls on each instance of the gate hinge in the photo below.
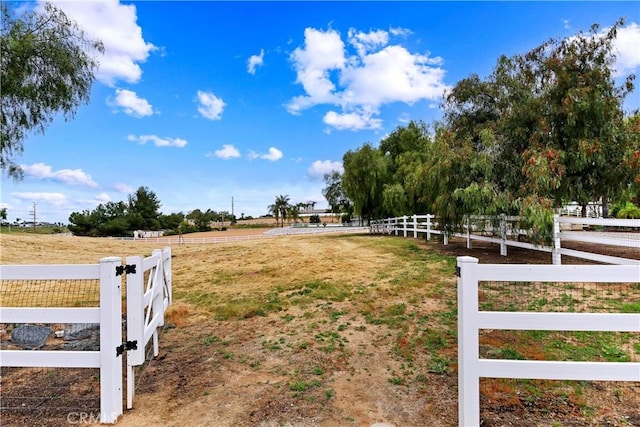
(125, 269)
(458, 270)
(127, 345)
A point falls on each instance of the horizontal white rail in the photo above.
(558, 273)
(49, 315)
(549, 370)
(51, 359)
(613, 322)
(611, 222)
(50, 272)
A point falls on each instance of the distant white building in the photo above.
(143, 234)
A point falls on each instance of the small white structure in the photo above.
(144, 234)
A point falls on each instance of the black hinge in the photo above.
(458, 270)
(127, 345)
(125, 269)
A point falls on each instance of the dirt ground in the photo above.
(272, 370)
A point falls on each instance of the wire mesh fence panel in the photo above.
(49, 397)
(50, 293)
(567, 402)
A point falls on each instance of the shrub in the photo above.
(314, 219)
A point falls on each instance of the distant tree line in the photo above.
(141, 211)
(544, 129)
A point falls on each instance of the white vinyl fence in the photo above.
(505, 232)
(145, 313)
(470, 321)
(108, 315)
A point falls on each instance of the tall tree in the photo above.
(364, 173)
(144, 209)
(46, 68)
(544, 129)
(333, 192)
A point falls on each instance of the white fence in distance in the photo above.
(108, 315)
(470, 320)
(146, 302)
(506, 234)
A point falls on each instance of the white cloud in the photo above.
(123, 188)
(566, 24)
(227, 151)
(321, 167)
(399, 31)
(627, 47)
(353, 121)
(57, 199)
(131, 104)
(66, 176)
(377, 73)
(211, 107)
(157, 141)
(116, 26)
(255, 61)
(323, 52)
(273, 155)
(102, 198)
(367, 42)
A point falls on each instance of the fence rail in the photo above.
(471, 320)
(505, 232)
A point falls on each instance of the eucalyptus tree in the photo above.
(46, 68)
(543, 129)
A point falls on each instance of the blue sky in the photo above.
(206, 101)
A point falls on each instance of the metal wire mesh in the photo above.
(574, 402)
(49, 397)
(50, 293)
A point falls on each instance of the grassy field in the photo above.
(326, 330)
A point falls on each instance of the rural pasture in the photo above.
(328, 330)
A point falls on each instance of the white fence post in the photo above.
(556, 257)
(468, 342)
(110, 340)
(469, 245)
(415, 226)
(404, 226)
(503, 235)
(429, 226)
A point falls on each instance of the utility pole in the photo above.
(33, 212)
(233, 217)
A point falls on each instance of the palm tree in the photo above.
(280, 207)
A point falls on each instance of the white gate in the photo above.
(147, 300)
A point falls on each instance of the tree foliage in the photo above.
(45, 69)
(543, 129)
(334, 194)
(140, 212)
